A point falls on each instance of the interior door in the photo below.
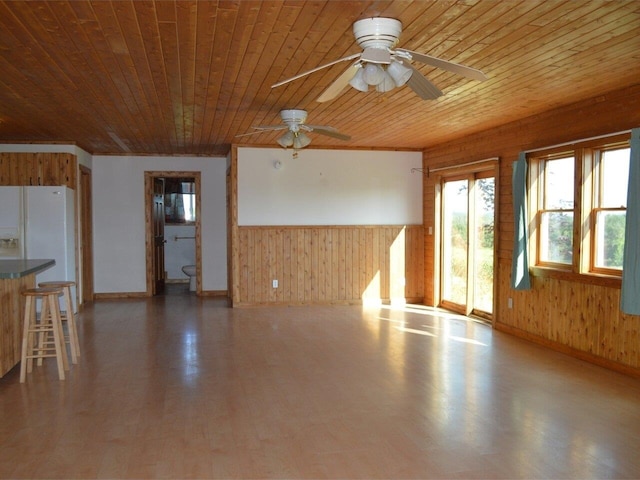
(158, 236)
(468, 216)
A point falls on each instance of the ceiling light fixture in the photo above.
(377, 68)
(293, 121)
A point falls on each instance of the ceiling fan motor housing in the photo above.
(293, 118)
(377, 32)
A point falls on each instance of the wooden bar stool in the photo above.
(67, 316)
(42, 337)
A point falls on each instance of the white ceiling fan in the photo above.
(382, 67)
(293, 122)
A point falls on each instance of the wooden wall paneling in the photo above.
(348, 263)
(277, 257)
(340, 261)
(302, 265)
(244, 267)
(27, 169)
(360, 254)
(254, 294)
(263, 286)
(313, 247)
(285, 279)
(8, 169)
(33, 169)
(366, 236)
(324, 265)
(379, 238)
(246, 252)
(49, 169)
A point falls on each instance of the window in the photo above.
(611, 174)
(578, 201)
(556, 212)
(180, 200)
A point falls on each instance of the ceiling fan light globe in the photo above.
(286, 140)
(373, 74)
(301, 140)
(386, 84)
(358, 82)
(399, 73)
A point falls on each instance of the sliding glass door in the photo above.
(467, 243)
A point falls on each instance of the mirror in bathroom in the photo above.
(180, 201)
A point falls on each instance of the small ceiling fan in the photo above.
(293, 122)
(382, 67)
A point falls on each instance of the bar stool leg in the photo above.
(74, 342)
(43, 336)
(58, 335)
(26, 363)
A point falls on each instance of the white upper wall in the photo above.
(328, 187)
(119, 219)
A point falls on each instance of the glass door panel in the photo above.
(455, 220)
(483, 243)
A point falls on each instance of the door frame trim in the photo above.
(85, 213)
(149, 176)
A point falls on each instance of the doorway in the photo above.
(468, 244)
(156, 203)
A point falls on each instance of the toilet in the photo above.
(190, 271)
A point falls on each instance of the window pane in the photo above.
(558, 188)
(609, 239)
(189, 203)
(556, 235)
(615, 178)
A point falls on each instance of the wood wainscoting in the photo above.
(577, 318)
(330, 264)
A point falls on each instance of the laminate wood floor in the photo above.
(183, 387)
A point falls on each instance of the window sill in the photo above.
(590, 278)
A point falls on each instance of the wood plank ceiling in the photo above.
(182, 77)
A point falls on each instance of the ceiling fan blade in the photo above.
(339, 83)
(271, 127)
(328, 131)
(350, 57)
(262, 129)
(446, 65)
(419, 84)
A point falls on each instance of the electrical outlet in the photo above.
(275, 284)
(509, 302)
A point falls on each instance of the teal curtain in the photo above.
(520, 262)
(630, 294)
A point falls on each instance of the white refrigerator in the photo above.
(44, 218)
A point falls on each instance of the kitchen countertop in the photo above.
(20, 268)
